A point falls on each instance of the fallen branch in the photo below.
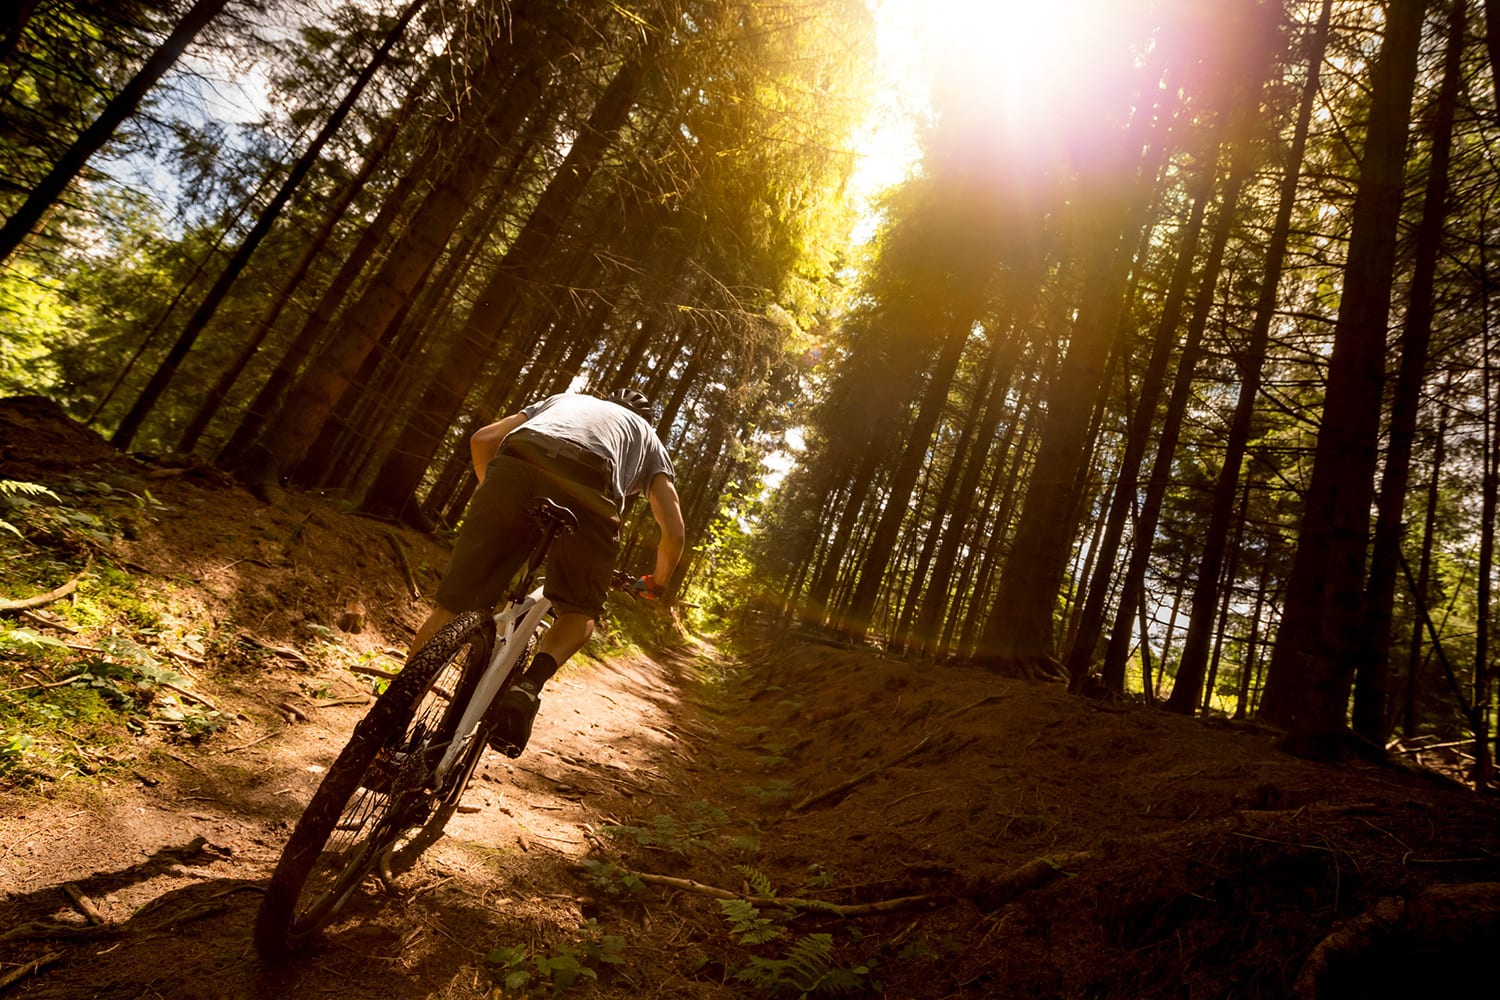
(255, 742)
(992, 894)
(369, 671)
(42, 687)
(50, 597)
(404, 563)
(183, 692)
(1442, 918)
(285, 652)
(84, 905)
(46, 622)
(987, 700)
(47, 929)
(861, 778)
(31, 968)
(927, 900)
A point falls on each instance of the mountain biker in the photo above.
(590, 455)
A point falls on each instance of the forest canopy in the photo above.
(1161, 365)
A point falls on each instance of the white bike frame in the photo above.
(514, 625)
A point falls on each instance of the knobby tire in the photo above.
(373, 793)
(432, 831)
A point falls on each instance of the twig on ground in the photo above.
(46, 622)
(83, 904)
(925, 900)
(405, 564)
(285, 652)
(51, 684)
(369, 671)
(31, 968)
(255, 742)
(987, 700)
(51, 596)
(183, 692)
(862, 777)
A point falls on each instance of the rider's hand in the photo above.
(647, 588)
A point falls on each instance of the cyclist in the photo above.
(590, 455)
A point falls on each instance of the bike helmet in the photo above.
(632, 399)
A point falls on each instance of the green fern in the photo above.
(757, 880)
(809, 969)
(15, 487)
(18, 488)
(746, 922)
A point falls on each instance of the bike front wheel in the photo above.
(377, 790)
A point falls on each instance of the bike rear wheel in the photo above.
(376, 791)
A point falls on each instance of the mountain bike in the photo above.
(395, 785)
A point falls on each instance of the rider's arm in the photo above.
(667, 510)
(486, 441)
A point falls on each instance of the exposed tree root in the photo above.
(50, 597)
(29, 969)
(989, 894)
(862, 777)
(1443, 918)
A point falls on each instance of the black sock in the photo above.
(540, 670)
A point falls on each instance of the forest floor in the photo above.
(717, 818)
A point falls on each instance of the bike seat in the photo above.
(546, 511)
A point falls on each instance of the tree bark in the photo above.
(42, 197)
(1117, 651)
(311, 399)
(1251, 363)
(206, 310)
(1312, 666)
(1086, 639)
(1372, 678)
(392, 491)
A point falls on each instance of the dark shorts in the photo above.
(497, 537)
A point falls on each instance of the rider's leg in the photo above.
(566, 637)
(436, 619)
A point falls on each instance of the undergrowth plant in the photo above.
(807, 965)
(522, 970)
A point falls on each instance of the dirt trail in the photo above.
(931, 831)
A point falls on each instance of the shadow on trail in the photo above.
(195, 941)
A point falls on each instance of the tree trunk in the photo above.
(1086, 638)
(196, 324)
(913, 458)
(219, 391)
(288, 437)
(42, 197)
(1251, 363)
(1312, 666)
(394, 485)
(1422, 589)
(308, 337)
(1019, 631)
(1117, 651)
(1372, 678)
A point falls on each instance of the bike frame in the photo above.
(514, 625)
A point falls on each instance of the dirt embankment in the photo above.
(794, 818)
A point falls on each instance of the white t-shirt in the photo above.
(615, 433)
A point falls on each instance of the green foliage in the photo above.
(775, 790)
(33, 320)
(809, 968)
(612, 879)
(521, 969)
(746, 923)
